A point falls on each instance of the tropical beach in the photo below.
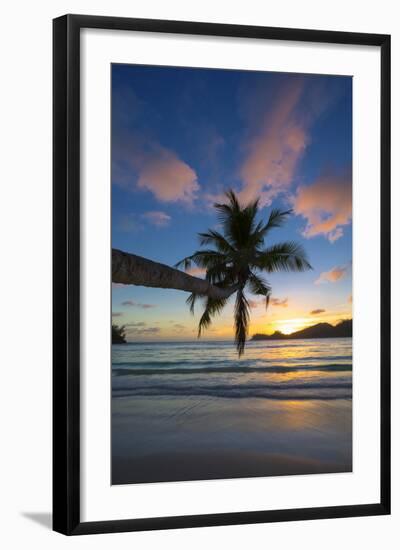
(231, 274)
(186, 411)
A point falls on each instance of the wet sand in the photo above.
(180, 439)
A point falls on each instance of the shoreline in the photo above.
(169, 439)
(224, 341)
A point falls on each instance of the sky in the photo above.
(181, 137)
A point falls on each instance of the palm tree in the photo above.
(236, 258)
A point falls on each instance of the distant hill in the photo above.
(322, 330)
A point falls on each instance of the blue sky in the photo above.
(181, 137)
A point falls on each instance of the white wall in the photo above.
(25, 217)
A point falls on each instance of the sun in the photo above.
(287, 326)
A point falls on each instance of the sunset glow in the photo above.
(286, 139)
(287, 326)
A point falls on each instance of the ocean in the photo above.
(283, 408)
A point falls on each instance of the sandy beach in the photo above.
(168, 438)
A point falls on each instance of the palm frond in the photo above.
(191, 301)
(233, 200)
(212, 237)
(260, 287)
(221, 275)
(240, 228)
(186, 263)
(257, 236)
(237, 222)
(213, 306)
(252, 208)
(276, 218)
(226, 210)
(287, 256)
(202, 258)
(242, 316)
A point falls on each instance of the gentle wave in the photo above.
(201, 345)
(234, 395)
(308, 371)
(200, 361)
(250, 387)
(148, 371)
(335, 390)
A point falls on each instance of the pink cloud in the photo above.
(131, 303)
(277, 302)
(166, 176)
(148, 166)
(333, 275)
(156, 217)
(273, 154)
(326, 205)
(273, 301)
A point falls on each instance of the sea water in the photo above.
(273, 369)
(194, 410)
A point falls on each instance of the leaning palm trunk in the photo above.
(129, 269)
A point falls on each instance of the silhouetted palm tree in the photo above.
(237, 258)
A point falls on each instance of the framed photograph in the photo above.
(221, 274)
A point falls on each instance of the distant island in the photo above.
(321, 330)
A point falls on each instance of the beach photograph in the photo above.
(231, 328)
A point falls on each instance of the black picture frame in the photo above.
(66, 272)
